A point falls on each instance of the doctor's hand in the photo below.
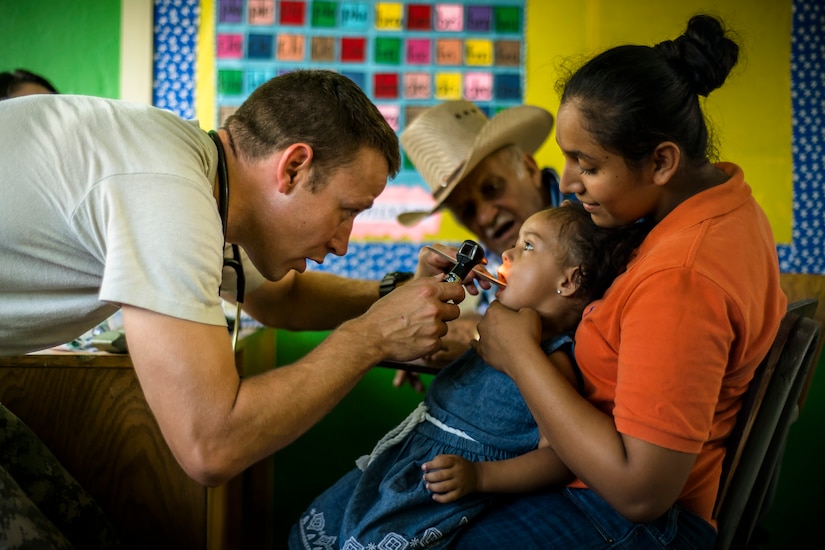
(460, 332)
(436, 259)
(410, 321)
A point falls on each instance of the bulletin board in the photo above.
(179, 68)
(406, 56)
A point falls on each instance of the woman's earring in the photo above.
(558, 291)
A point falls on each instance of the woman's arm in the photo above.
(640, 480)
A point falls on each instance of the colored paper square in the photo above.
(388, 16)
(355, 15)
(449, 18)
(385, 85)
(259, 46)
(230, 11)
(448, 51)
(292, 13)
(291, 47)
(353, 50)
(417, 85)
(255, 78)
(419, 51)
(478, 86)
(419, 17)
(229, 46)
(387, 51)
(322, 48)
(391, 114)
(261, 12)
(479, 18)
(230, 82)
(448, 86)
(358, 78)
(508, 53)
(323, 14)
(507, 86)
(478, 52)
(508, 19)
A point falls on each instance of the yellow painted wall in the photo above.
(751, 113)
(205, 72)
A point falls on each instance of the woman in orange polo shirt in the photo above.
(666, 355)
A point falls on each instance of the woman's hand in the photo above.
(502, 330)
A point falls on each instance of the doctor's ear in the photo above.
(294, 166)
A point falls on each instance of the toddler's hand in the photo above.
(450, 477)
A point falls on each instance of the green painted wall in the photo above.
(77, 50)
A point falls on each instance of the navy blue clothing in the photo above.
(579, 519)
(471, 410)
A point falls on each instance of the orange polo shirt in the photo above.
(671, 347)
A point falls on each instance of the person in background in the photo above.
(20, 82)
(668, 353)
(473, 436)
(483, 171)
(114, 205)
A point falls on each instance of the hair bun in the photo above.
(703, 55)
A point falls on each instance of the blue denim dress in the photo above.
(471, 410)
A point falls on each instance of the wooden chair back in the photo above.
(769, 407)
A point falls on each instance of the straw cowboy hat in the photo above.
(447, 141)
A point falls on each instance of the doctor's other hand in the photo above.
(433, 262)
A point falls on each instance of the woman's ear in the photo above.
(570, 282)
(666, 158)
(293, 166)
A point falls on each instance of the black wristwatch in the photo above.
(392, 280)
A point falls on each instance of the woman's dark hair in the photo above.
(323, 109)
(632, 98)
(11, 81)
(600, 253)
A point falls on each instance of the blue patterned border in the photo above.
(806, 254)
(176, 31)
(176, 44)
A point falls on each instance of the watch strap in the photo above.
(391, 281)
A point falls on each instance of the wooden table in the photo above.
(89, 409)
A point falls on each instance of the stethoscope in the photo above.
(235, 261)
